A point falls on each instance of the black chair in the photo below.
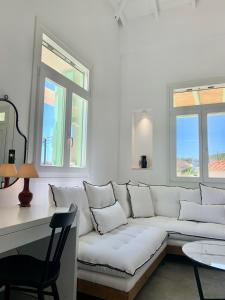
(28, 274)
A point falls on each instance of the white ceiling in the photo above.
(127, 10)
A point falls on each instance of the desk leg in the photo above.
(67, 280)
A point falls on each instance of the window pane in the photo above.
(198, 97)
(78, 132)
(187, 146)
(61, 61)
(2, 116)
(216, 145)
(53, 124)
(183, 99)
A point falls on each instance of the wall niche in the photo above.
(142, 131)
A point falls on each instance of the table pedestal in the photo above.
(199, 285)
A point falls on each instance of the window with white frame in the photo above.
(63, 95)
(197, 133)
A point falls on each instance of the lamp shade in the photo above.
(8, 170)
(27, 171)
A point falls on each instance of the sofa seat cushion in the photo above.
(120, 252)
(184, 228)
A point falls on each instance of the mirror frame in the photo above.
(6, 99)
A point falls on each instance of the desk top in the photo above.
(210, 253)
(16, 218)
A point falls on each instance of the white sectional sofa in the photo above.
(116, 265)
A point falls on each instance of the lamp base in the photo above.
(25, 199)
(6, 183)
(25, 196)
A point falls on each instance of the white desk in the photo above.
(29, 228)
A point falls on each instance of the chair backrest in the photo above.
(64, 221)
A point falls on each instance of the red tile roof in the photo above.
(217, 165)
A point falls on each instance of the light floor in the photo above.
(173, 280)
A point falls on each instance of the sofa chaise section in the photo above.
(117, 260)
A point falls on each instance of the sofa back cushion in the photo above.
(99, 195)
(121, 195)
(165, 200)
(212, 195)
(141, 201)
(64, 196)
(191, 195)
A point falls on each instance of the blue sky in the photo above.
(187, 136)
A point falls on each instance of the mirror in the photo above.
(13, 142)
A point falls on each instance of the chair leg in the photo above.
(40, 295)
(7, 293)
(55, 291)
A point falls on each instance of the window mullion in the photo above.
(173, 146)
(66, 163)
(202, 144)
(204, 160)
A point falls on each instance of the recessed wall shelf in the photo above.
(142, 132)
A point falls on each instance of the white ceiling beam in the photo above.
(156, 8)
(123, 19)
(114, 5)
(120, 9)
(194, 3)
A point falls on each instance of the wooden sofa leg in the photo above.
(175, 250)
(100, 291)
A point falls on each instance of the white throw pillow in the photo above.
(191, 195)
(166, 200)
(212, 195)
(64, 196)
(108, 218)
(99, 195)
(141, 201)
(121, 195)
(190, 211)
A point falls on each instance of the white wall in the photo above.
(184, 44)
(88, 28)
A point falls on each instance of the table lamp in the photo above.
(7, 171)
(26, 171)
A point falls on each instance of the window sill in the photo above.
(194, 182)
(77, 173)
